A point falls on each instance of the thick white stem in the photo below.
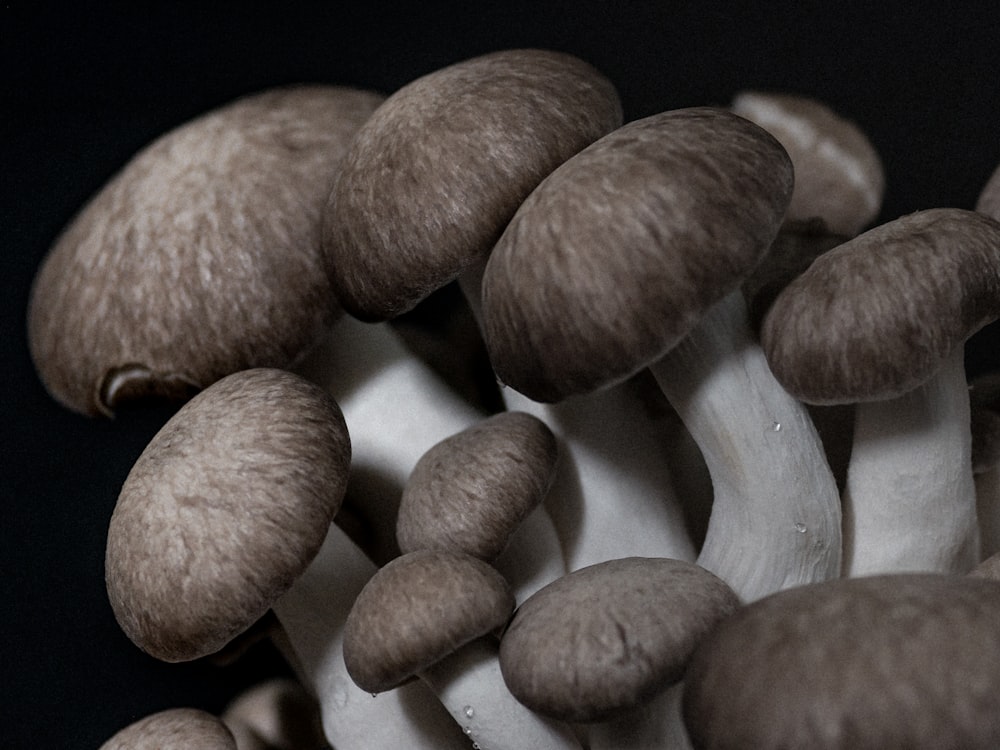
(776, 519)
(612, 496)
(312, 613)
(396, 408)
(655, 724)
(910, 503)
(470, 686)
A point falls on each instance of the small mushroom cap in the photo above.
(174, 729)
(471, 491)
(989, 198)
(606, 637)
(839, 176)
(439, 169)
(890, 662)
(616, 255)
(874, 317)
(418, 609)
(221, 512)
(200, 258)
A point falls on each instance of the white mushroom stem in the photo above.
(776, 519)
(396, 408)
(612, 495)
(312, 613)
(470, 686)
(909, 503)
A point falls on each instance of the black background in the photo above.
(84, 89)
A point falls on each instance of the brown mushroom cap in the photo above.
(887, 662)
(606, 637)
(616, 255)
(225, 507)
(471, 491)
(418, 609)
(838, 173)
(174, 729)
(200, 258)
(989, 198)
(439, 169)
(875, 317)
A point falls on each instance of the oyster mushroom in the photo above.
(174, 729)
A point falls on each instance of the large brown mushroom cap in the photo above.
(439, 169)
(418, 609)
(617, 254)
(200, 258)
(898, 662)
(874, 317)
(225, 507)
(471, 491)
(606, 637)
(174, 729)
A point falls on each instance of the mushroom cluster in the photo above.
(444, 573)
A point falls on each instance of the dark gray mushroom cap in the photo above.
(418, 609)
(838, 173)
(606, 637)
(887, 663)
(437, 172)
(874, 317)
(174, 729)
(989, 198)
(200, 258)
(617, 254)
(471, 491)
(225, 507)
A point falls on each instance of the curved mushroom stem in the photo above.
(470, 686)
(910, 503)
(612, 495)
(312, 614)
(396, 408)
(776, 518)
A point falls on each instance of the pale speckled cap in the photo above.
(174, 729)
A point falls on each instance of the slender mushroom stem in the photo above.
(909, 504)
(396, 408)
(776, 518)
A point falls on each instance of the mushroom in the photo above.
(839, 176)
(470, 492)
(607, 644)
(227, 513)
(425, 190)
(881, 320)
(894, 661)
(430, 614)
(200, 257)
(275, 714)
(174, 729)
(640, 242)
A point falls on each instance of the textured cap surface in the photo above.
(615, 256)
(605, 637)
(174, 729)
(471, 491)
(418, 609)
(200, 258)
(228, 503)
(875, 316)
(899, 662)
(437, 172)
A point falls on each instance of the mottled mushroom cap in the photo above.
(201, 257)
(174, 729)
(989, 198)
(471, 491)
(418, 609)
(606, 637)
(617, 254)
(436, 173)
(874, 317)
(838, 173)
(225, 507)
(901, 662)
